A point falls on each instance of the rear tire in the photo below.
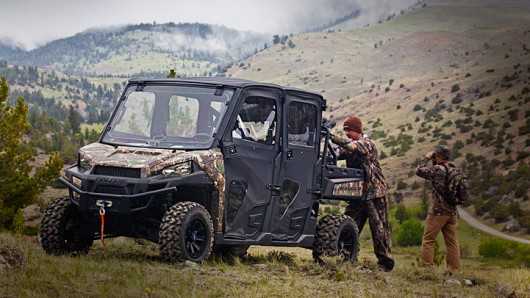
(186, 233)
(60, 230)
(336, 236)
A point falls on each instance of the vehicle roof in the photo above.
(225, 81)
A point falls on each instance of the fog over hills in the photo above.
(63, 19)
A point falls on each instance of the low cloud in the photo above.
(33, 22)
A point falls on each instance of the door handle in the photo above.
(290, 154)
(275, 189)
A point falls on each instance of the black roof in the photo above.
(224, 81)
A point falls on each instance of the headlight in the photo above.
(181, 169)
(82, 163)
(76, 181)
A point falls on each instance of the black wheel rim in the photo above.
(347, 244)
(196, 238)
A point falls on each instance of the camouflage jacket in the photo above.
(437, 174)
(365, 150)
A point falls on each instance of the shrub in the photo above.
(402, 213)
(495, 248)
(410, 233)
(514, 115)
(503, 249)
(378, 134)
(500, 213)
(457, 99)
(455, 88)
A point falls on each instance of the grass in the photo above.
(126, 268)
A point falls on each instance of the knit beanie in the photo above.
(353, 123)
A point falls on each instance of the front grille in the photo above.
(117, 172)
(109, 189)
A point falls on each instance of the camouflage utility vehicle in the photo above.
(208, 166)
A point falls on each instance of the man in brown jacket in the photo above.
(360, 152)
(442, 216)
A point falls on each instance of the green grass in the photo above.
(128, 269)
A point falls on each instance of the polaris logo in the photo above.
(104, 203)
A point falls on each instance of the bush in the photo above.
(455, 88)
(500, 213)
(495, 248)
(401, 213)
(410, 233)
(503, 249)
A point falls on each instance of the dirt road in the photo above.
(486, 229)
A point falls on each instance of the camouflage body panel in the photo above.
(352, 188)
(151, 161)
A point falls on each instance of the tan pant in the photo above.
(433, 225)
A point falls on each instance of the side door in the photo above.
(251, 152)
(300, 143)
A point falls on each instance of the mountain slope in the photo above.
(452, 72)
(193, 49)
(8, 49)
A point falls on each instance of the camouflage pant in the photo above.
(376, 212)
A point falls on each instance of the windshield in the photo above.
(173, 117)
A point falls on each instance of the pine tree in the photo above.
(75, 120)
(20, 182)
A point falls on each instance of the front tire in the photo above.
(60, 230)
(186, 233)
(336, 236)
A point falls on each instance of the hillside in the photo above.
(451, 72)
(192, 49)
(8, 50)
(54, 92)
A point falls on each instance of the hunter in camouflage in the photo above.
(360, 151)
(151, 161)
(442, 216)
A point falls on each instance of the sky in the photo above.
(30, 23)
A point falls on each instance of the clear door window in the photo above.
(256, 121)
(301, 126)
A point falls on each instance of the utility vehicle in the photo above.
(208, 166)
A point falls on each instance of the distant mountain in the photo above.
(8, 49)
(192, 49)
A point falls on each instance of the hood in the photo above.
(148, 160)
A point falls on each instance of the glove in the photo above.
(339, 140)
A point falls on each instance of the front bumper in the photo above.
(116, 203)
(134, 207)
